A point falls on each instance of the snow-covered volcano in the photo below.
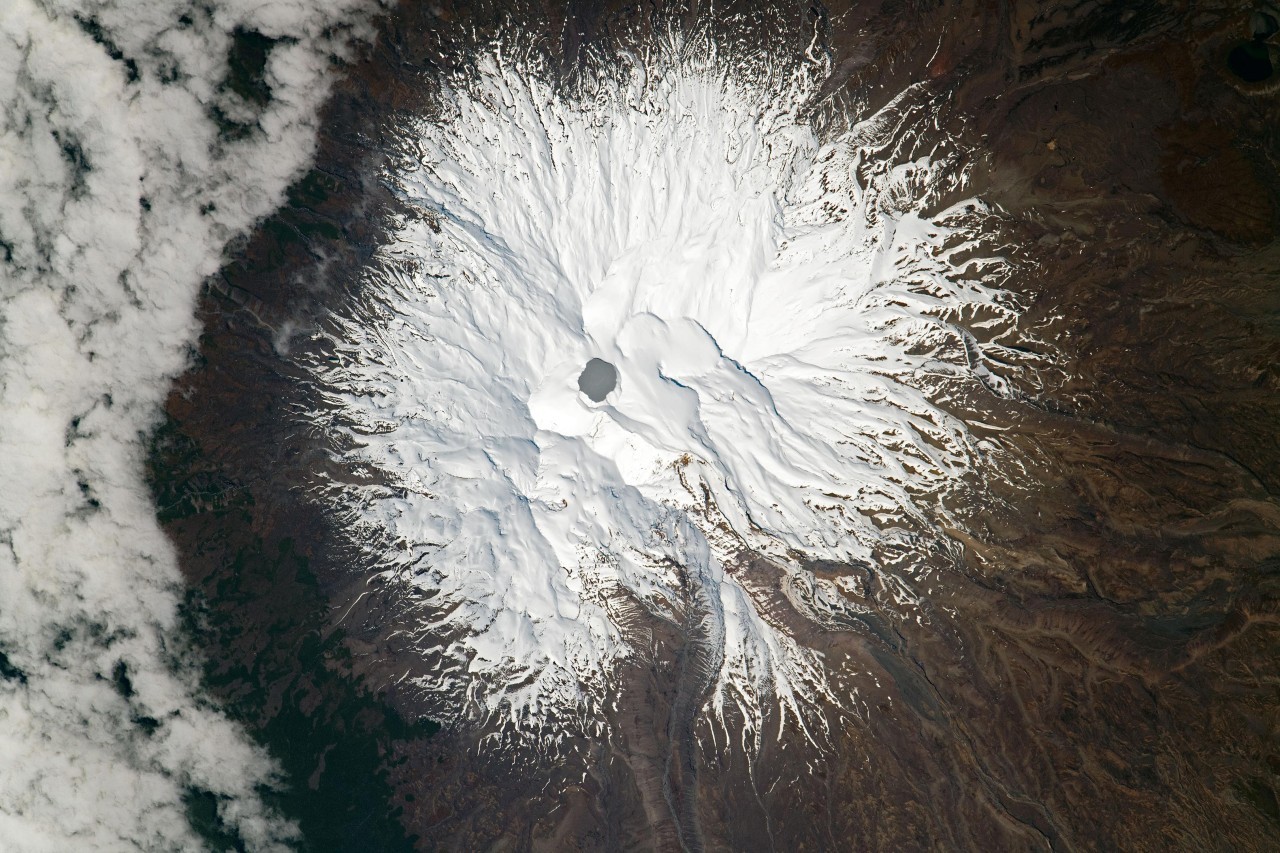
(777, 307)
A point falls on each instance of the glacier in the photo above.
(780, 302)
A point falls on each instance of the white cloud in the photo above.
(97, 290)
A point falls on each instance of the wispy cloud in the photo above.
(136, 138)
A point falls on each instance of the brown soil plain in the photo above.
(1105, 673)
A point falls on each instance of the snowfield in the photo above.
(778, 307)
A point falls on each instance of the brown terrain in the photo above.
(1096, 662)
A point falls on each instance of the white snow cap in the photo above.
(774, 305)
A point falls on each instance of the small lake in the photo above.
(598, 379)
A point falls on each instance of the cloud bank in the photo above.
(136, 138)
